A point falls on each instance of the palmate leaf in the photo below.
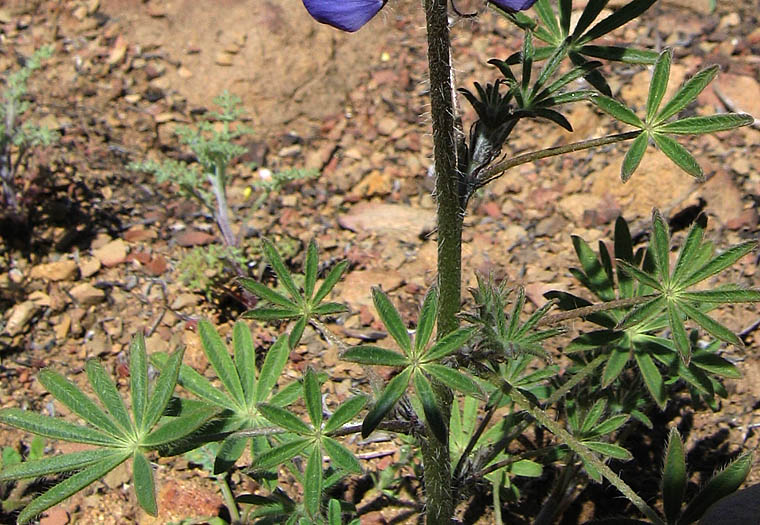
(618, 110)
(672, 290)
(230, 451)
(708, 124)
(71, 486)
(385, 401)
(718, 264)
(162, 391)
(191, 380)
(652, 377)
(453, 379)
(120, 438)
(617, 19)
(310, 269)
(138, 378)
(433, 415)
(687, 94)
(655, 125)
(67, 393)
(661, 247)
(313, 482)
(244, 353)
(283, 274)
(392, 320)
(37, 468)
(313, 397)
(216, 352)
(280, 454)
(627, 55)
(659, 83)
(633, 157)
(106, 390)
(345, 413)
(341, 456)
(301, 307)
(679, 155)
(274, 364)
(556, 32)
(609, 449)
(145, 488)
(374, 355)
(673, 477)
(448, 344)
(426, 321)
(285, 419)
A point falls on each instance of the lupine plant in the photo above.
(488, 396)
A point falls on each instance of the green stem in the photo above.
(585, 311)
(229, 499)
(435, 454)
(497, 170)
(579, 448)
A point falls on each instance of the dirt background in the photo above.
(99, 258)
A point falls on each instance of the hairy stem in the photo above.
(580, 449)
(585, 311)
(497, 170)
(435, 454)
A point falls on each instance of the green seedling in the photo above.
(18, 135)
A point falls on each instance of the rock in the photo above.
(111, 254)
(403, 222)
(550, 226)
(387, 125)
(746, 219)
(190, 238)
(87, 295)
(156, 266)
(62, 327)
(118, 51)
(55, 516)
(89, 266)
(657, 183)
(179, 500)
(377, 183)
(40, 298)
(739, 93)
(356, 288)
(62, 270)
(118, 476)
(156, 343)
(724, 198)
(223, 59)
(184, 300)
(20, 316)
(140, 233)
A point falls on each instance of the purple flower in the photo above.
(514, 5)
(347, 15)
(351, 15)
